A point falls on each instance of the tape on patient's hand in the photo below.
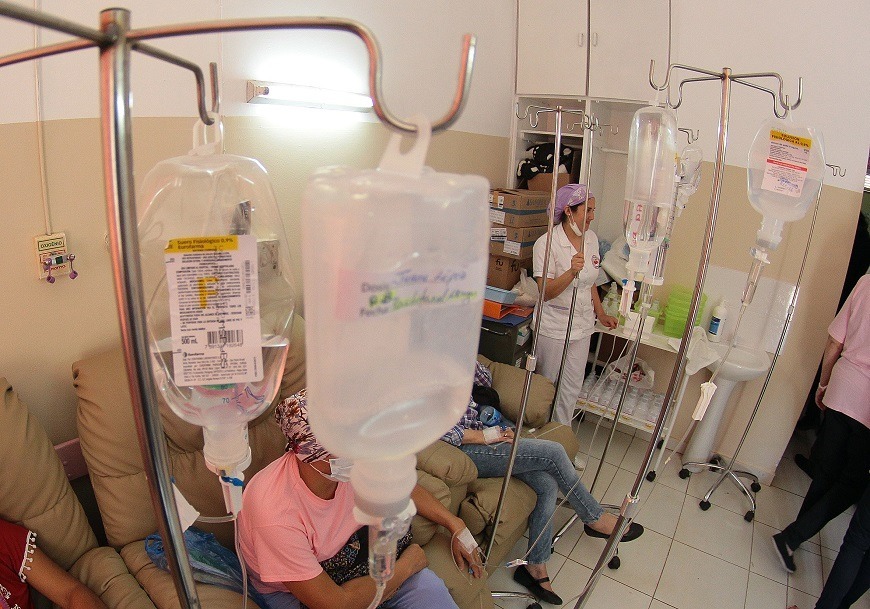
(492, 434)
(469, 544)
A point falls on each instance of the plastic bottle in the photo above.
(649, 183)
(588, 384)
(717, 322)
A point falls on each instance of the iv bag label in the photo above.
(214, 310)
(788, 158)
(366, 294)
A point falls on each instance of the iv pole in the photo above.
(116, 41)
(726, 77)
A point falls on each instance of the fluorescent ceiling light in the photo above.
(260, 92)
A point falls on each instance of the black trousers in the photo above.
(842, 460)
(850, 575)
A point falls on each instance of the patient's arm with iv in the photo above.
(321, 592)
(465, 556)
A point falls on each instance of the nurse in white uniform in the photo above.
(573, 255)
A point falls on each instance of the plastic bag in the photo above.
(210, 561)
(526, 290)
(642, 376)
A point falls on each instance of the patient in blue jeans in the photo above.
(545, 467)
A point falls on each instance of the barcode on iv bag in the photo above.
(248, 267)
(225, 338)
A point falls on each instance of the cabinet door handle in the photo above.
(595, 39)
(497, 333)
(581, 39)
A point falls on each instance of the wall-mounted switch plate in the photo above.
(51, 247)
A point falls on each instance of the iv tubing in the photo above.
(729, 469)
(626, 512)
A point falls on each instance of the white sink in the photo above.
(743, 364)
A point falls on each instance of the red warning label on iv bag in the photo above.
(786, 166)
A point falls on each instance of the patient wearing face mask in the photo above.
(302, 546)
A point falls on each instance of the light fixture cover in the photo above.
(262, 92)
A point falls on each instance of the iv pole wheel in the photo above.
(650, 476)
(684, 473)
(755, 486)
(704, 505)
(614, 563)
(717, 460)
(749, 516)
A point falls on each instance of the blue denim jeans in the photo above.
(423, 590)
(546, 468)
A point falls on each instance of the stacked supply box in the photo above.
(518, 218)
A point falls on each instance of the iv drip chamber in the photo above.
(649, 183)
(394, 269)
(691, 158)
(784, 175)
(216, 275)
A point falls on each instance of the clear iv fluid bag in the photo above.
(649, 182)
(394, 272)
(219, 300)
(784, 175)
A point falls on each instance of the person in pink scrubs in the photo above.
(842, 452)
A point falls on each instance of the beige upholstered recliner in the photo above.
(35, 492)
(109, 443)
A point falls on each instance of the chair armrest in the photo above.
(103, 571)
(448, 463)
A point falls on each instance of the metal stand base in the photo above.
(735, 477)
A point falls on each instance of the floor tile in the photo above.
(694, 580)
(765, 561)
(716, 531)
(661, 511)
(801, 599)
(763, 593)
(666, 474)
(789, 477)
(808, 576)
(569, 539)
(592, 441)
(572, 579)
(642, 562)
(777, 508)
(608, 471)
(657, 604)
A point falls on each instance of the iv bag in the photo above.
(394, 264)
(690, 173)
(784, 175)
(219, 301)
(649, 182)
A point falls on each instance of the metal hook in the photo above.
(215, 88)
(156, 53)
(836, 170)
(691, 134)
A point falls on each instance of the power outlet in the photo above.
(51, 247)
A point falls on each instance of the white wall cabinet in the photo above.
(551, 47)
(621, 35)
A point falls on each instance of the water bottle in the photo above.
(588, 383)
(648, 406)
(632, 401)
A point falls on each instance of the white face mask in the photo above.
(574, 226)
(339, 468)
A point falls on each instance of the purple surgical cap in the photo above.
(569, 196)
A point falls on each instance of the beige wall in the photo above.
(47, 327)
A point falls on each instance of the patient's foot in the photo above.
(605, 524)
(539, 572)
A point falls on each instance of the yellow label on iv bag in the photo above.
(223, 243)
(785, 169)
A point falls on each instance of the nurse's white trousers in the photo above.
(549, 353)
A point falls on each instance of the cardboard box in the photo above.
(519, 200)
(544, 181)
(500, 232)
(511, 249)
(518, 219)
(504, 272)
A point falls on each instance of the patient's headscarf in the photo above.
(292, 417)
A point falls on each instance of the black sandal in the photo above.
(634, 531)
(525, 579)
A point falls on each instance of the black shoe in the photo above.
(782, 551)
(805, 464)
(525, 579)
(634, 531)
